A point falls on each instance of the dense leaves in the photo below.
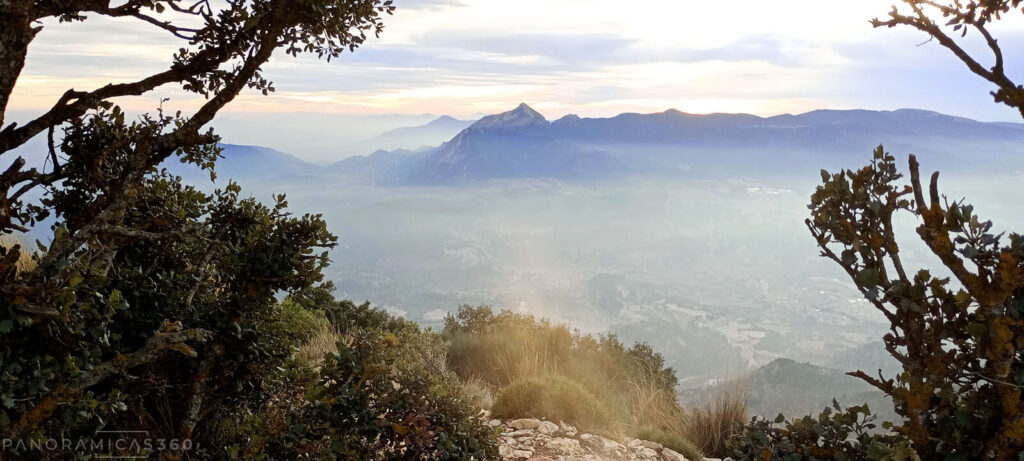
(153, 305)
(383, 397)
(834, 434)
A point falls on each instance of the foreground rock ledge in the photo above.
(538, 440)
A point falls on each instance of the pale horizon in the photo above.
(467, 58)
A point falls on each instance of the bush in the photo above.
(842, 435)
(379, 398)
(555, 398)
(673, 440)
(373, 393)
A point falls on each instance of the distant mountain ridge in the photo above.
(416, 137)
(522, 143)
(518, 143)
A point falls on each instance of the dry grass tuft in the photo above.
(25, 262)
(711, 424)
(555, 398)
(321, 340)
(479, 393)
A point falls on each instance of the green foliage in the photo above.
(555, 398)
(153, 308)
(673, 440)
(959, 342)
(381, 397)
(841, 435)
(345, 315)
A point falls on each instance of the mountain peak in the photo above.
(445, 121)
(521, 116)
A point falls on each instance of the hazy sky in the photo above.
(591, 57)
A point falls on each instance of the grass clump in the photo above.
(555, 398)
(670, 439)
(718, 418)
(502, 348)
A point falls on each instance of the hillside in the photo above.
(793, 388)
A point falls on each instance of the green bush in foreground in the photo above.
(671, 440)
(841, 435)
(555, 398)
(383, 393)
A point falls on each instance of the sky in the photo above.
(589, 57)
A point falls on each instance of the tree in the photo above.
(960, 340)
(150, 292)
(959, 343)
(960, 17)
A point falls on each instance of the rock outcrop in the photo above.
(538, 440)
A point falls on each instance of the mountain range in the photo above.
(522, 143)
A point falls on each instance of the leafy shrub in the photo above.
(556, 398)
(842, 435)
(379, 398)
(670, 439)
(345, 315)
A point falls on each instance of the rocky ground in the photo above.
(537, 440)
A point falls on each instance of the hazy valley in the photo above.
(680, 230)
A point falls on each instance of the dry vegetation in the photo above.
(711, 423)
(24, 261)
(538, 369)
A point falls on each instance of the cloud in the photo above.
(427, 4)
(587, 56)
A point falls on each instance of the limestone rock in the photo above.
(604, 445)
(521, 454)
(520, 433)
(670, 455)
(547, 427)
(524, 424)
(563, 445)
(637, 443)
(646, 453)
